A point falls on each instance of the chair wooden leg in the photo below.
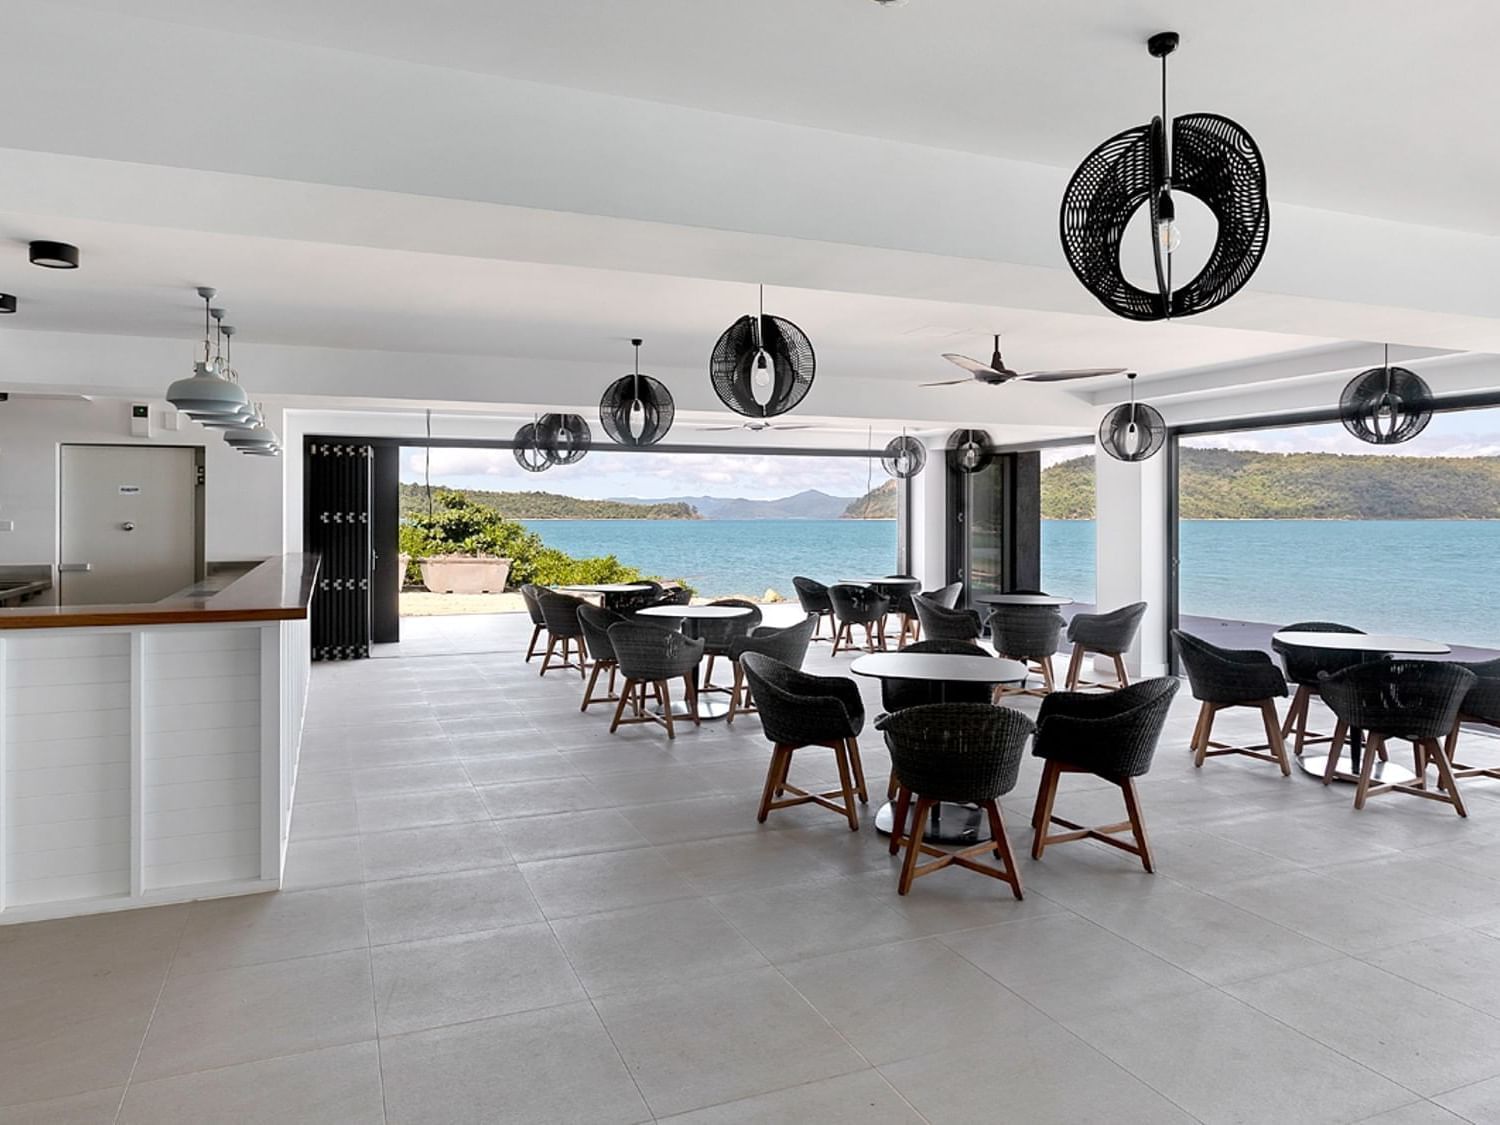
(841, 759)
(775, 774)
(1446, 779)
(914, 845)
(1075, 667)
(898, 814)
(1046, 795)
(1049, 682)
(690, 691)
(664, 697)
(1201, 733)
(547, 656)
(859, 771)
(1002, 849)
(734, 692)
(589, 691)
(1273, 736)
(1335, 751)
(625, 697)
(1367, 770)
(582, 655)
(1124, 676)
(536, 634)
(1137, 824)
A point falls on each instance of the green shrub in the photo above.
(459, 526)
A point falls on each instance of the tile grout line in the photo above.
(151, 1019)
(385, 1112)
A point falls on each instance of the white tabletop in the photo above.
(1022, 599)
(879, 581)
(703, 612)
(609, 588)
(950, 667)
(1363, 642)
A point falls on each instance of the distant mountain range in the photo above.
(1229, 484)
(809, 504)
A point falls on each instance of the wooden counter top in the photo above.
(279, 589)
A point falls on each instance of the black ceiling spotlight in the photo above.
(904, 457)
(636, 409)
(969, 451)
(54, 255)
(1132, 431)
(1203, 155)
(1386, 405)
(7, 303)
(762, 365)
(528, 451)
(563, 438)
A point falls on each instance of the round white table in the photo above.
(608, 588)
(950, 823)
(879, 581)
(1373, 644)
(707, 708)
(1022, 599)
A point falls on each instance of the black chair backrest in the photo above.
(1111, 633)
(1227, 675)
(533, 606)
(942, 624)
(812, 594)
(800, 709)
(946, 596)
(1114, 734)
(560, 611)
(1399, 698)
(788, 644)
(859, 605)
(957, 751)
(1307, 665)
(900, 593)
(1026, 632)
(898, 694)
(596, 622)
(650, 653)
(628, 600)
(719, 633)
(1482, 704)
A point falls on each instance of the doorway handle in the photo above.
(74, 568)
(127, 526)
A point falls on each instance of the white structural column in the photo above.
(1131, 550)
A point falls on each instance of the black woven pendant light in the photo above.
(563, 438)
(904, 457)
(762, 365)
(969, 451)
(636, 410)
(1132, 431)
(528, 452)
(1386, 405)
(1203, 155)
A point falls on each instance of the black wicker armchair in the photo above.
(1481, 707)
(813, 597)
(1305, 668)
(942, 624)
(1226, 677)
(719, 634)
(538, 622)
(627, 601)
(787, 645)
(649, 656)
(596, 622)
(946, 596)
(966, 753)
(560, 612)
(857, 605)
(1031, 634)
(798, 710)
(900, 590)
(1109, 634)
(897, 694)
(1415, 701)
(1112, 736)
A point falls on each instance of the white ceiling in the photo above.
(1376, 107)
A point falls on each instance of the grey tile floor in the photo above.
(496, 912)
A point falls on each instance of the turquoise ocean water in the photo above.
(1438, 579)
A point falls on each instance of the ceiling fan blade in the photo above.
(972, 366)
(1062, 376)
(715, 429)
(946, 383)
(797, 426)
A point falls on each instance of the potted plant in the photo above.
(464, 574)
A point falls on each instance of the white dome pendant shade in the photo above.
(225, 368)
(208, 395)
(254, 437)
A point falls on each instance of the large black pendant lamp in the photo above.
(903, 457)
(1386, 405)
(563, 438)
(528, 450)
(1132, 431)
(1203, 155)
(762, 365)
(636, 409)
(969, 451)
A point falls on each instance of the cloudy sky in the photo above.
(602, 474)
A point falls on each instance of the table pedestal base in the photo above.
(946, 823)
(1385, 773)
(709, 710)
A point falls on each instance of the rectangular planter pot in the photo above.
(464, 574)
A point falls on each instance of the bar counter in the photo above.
(148, 753)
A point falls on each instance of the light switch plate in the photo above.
(7, 525)
(140, 419)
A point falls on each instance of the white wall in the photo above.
(1131, 550)
(242, 503)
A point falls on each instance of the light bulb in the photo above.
(1168, 235)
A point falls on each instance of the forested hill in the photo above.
(877, 504)
(1231, 484)
(550, 506)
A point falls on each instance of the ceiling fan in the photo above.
(995, 372)
(758, 427)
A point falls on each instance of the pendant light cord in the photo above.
(1166, 154)
(427, 466)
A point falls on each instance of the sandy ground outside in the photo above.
(423, 603)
